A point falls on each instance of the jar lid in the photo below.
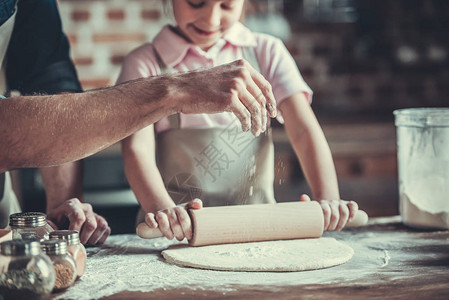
(54, 247)
(71, 236)
(20, 247)
(28, 219)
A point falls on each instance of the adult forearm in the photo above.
(51, 130)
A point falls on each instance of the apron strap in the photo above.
(249, 54)
(160, 62)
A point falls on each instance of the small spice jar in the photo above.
(74, 247)
(30, 225)
(25, 272)
(63, 263)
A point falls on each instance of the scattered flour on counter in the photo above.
(386, 259)
(129, 263)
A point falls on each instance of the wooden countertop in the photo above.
(390, 261)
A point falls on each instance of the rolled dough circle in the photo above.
(271, 256)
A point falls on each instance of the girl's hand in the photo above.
(337, 213)
(174, 221)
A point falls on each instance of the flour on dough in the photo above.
(272, 256)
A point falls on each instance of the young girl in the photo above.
(208, 156)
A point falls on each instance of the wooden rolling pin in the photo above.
(250, 223)
(254, 223)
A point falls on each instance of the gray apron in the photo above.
(8, 199)
(220, 165)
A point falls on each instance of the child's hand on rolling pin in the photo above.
(174, 221)
(337, 213)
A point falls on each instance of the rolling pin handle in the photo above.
(145, 232)
(360, 219)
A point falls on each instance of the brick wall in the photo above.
(102, 32)
(393, 54)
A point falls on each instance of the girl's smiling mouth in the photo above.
(204, 32)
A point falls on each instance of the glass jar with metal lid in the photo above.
(25, 272)
(29, 225)
(63, 263)
(74, 247)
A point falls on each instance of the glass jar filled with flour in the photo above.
(423, 161)
(25, 272)
(63, 263)
(30, 225)
(74, 247)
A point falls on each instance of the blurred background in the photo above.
(362, 58)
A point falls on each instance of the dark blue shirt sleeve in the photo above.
(6, 10)
(38, 58)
